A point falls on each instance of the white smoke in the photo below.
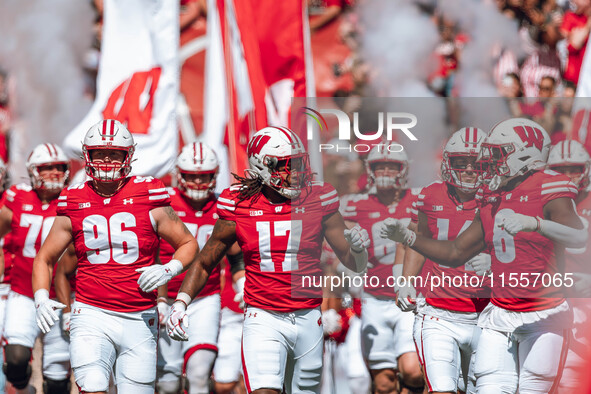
(399, 40)
(42, 48)
(488, 31)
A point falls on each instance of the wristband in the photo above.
(175, 267)
(41, 295)
(184, 298)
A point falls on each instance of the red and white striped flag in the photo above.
(262, 49)
(138, 81)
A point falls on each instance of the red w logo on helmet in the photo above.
(257, 143)
(531, 136)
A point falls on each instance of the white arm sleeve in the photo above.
(567, 236)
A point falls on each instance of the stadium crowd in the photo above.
(122, 300)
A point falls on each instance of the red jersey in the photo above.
(31, 221)
(200, 224)
(527, 252)
(367, 211)
(113, 237)
(447, 218)
(281, 244)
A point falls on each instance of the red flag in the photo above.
(260, 47)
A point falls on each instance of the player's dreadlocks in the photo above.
(253, 187)
(249, 187)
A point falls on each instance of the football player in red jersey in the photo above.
(28, 214)
(526, 219)
(386, 332)
(195, 204)
(447, 334)
(279, 218)
(572, 159)
(115, 223)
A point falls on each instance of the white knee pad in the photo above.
(198, 371)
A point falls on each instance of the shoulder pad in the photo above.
(76, 186)
(24, 187)
(141, 179)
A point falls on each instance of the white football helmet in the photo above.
(571, 154)
(267, 149)
(45, 155)
(463, 143)
(512, 148)
(196, 159)
(381, 153)
(108, 134)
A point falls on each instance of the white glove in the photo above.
(239, 287)
(331, 321)
(480, 263)
(158, 275)
(396, 231)
(406, 298)
(514, 223)
(46, 315)
(178, 322)
(66, 323)
(582, 284)
(163, 311)
(357, 238)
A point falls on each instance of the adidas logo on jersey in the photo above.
(256, 213)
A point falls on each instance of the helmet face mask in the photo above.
(289, 175)
(388, 174)
(386, 168)
(108, 138)
(113, 170)
(277, 157)
(41, 165)
(196, 186)
(462, 150)
(197, 167)
(572, 159)
(466, 179)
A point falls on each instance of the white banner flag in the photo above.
(138, 81)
